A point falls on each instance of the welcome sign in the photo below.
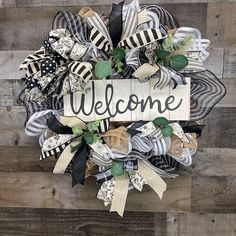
(129, 100)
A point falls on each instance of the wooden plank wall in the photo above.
(35, 202)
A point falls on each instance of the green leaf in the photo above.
(160, 54)
(103, 69)
(97, 138)
(168, 43)
(93, 126)
(118, 54)
(167, 131)
(160, 122)
(119, 66)
(88, 136)
(74, 148)
(117, 168)
(178, 62)
(77, 130)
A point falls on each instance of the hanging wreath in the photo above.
(136, 43)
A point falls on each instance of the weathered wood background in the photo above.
(35, 202)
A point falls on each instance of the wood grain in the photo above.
(207, 224)
(10, 62)
(7, 3)
(24, 159)
(38, 3)
(214, 194)
(9, 92)
(221, 20)
(45, 190)
(215, 61)
(219, 132)
(206, 162)
(220, 129)
(25, 28)
(212, 162)
(54, 222)
(229, 63)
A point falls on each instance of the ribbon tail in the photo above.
(152, 179)
(64, 159)
(116, 23)
(120, 194)
(79, 164)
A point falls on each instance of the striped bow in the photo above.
(142, 38)
(72, 145)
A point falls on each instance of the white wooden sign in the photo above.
(129, 100)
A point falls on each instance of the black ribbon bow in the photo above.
(81, 155)
(115, 19)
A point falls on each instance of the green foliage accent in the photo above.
(119, 66)
(89, 137)
(93, 126)
(160, 122)
(103, 69)
(168, 43)
(77, 130)
(178, 62)
(97, 138)
(118, 54)
(167, 131)
(117, 168)
(74, 148)
(160, 54)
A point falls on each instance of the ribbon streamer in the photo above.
(115, 20)
(120, 194)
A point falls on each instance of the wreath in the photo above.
(135, 42)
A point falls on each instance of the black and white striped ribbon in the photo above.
(98, 22)
(38, 55)
(53, 152)
(165, 78)
(129, 23)
(77, 25)
(164, 162)
(81, 69)
(206, 91)
(142, 38)
(164, 16)
(37, 123)
(199, 44)
(99, 40)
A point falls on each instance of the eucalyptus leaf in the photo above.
(77, 130)
(88, 136)
(168, 43)
(103, 69)
(118, 54)
(178, 62)
(117, 168)
(160, 54)
(93, 126)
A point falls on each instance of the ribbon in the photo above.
(120, 194)
(79, 164)
(145, 71)
(115, 191)
(130, 22)
(142, 38)
(65, 135)
(115, 20)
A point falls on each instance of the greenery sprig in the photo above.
(89, 134)
(104, 68)
(167, 55)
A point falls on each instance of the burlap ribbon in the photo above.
(119, 190)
